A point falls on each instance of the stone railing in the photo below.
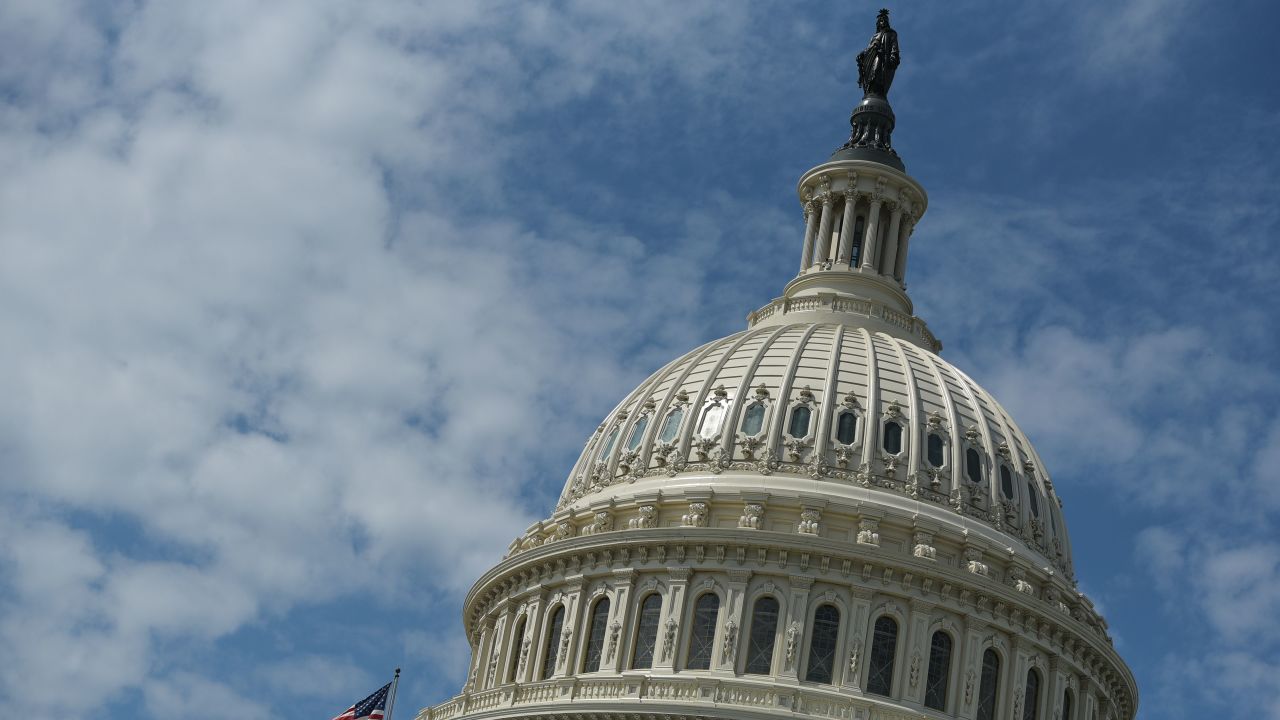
(835, 304)
(636, 693)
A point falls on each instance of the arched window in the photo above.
(608, 444)
(637, 433)
(753, 420)
(1006, 482)
(989, 685)
(710, 426)
(847, 427)
(973, 465)
(1033, 500)
(764, 631)
(935, 450)
(1031, 702)
(595, 635)
(1068, 704)
(859, 230)
(884, 646)
(799, 425)
(702, 635)
(935, 688)
(822, 644)
(647, 632)
(671, 428)
(552, 651)
(892, 438)
(517, 642)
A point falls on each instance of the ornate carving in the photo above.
(524, 656)
(648, 518)
(563, 531)
(914, 676)
(924, 546)
(751, 516)
(809, 521)
(793, 640)
(730, 640)
(565, 637)
(974, 563)
(768, 462)
(697, 515)
(1019, 578)
(615, 629)
(853, 658)
(669, 638)
(969, 680)
(869, 532)
(603, 522)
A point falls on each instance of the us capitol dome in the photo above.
(816, 517)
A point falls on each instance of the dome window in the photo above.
(1031, 498)
(1031, 702)
(935, 688)
(973, 465)
(822, 644)
(703, 634)
(799, 425)
(595, 635)
(608, 444)
(892, 437)
(1006, 482)
(847, 427)
(764, 630)
(637, 432)
(671, 428)
(711, 419)
(884, 646)
(990, 686)
(517, 639)
(753, 421)
(551, 651)
(936, 450)
(647, 632)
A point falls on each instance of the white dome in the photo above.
(727, 410)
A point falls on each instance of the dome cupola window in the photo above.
(884, 648)
(764, 631)
(551, 652)
(595, 635)
(671, 426)
(989, 687)
(935, 688)
(703, 633)
(647, 632)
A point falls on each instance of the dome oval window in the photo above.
(973, 465)
(1031, 497)
(847, 428)
(711, 421)
(671, 428)
(892, 438)
(1006, 482)
(753, 421)
(608, 444)
(935, 450)
(799, 425)
(637, 433)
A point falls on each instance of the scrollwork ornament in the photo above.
(730, 640)
(669, 639)
(914, 676)
(793, 640)
(615, 629)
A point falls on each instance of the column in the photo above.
(891, 243)
(822, 244)
(900, 272)
(796, 627)
(735, 596)
(669, 631)
(566, 663)
(872, 237)
(810, 229)
(845, 250)
(530, 647)
(1055, 685)
(619, 620)
(855, 653)
(475, 681)
(971, 669)
(917, 648)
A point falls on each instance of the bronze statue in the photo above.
(879, 61)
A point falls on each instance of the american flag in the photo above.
(370, 708)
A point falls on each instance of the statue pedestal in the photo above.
(872, 122)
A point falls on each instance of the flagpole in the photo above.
(395, 683)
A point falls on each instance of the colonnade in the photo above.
(832, 218)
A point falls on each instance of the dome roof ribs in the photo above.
(734, 420)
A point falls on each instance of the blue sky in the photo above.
(309, 305)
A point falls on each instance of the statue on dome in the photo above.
(879, 61)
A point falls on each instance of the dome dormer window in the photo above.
(973, 465)
(637, 433)
(1033, 500)
(799, 425)
(711, 420)
(753, 420)
(671, 427)
(608, 444)
(892, 437)
(936, 450)
(847, 427)
(1006, 482)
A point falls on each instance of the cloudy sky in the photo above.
(309, 305)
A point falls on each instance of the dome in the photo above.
(832, 411)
